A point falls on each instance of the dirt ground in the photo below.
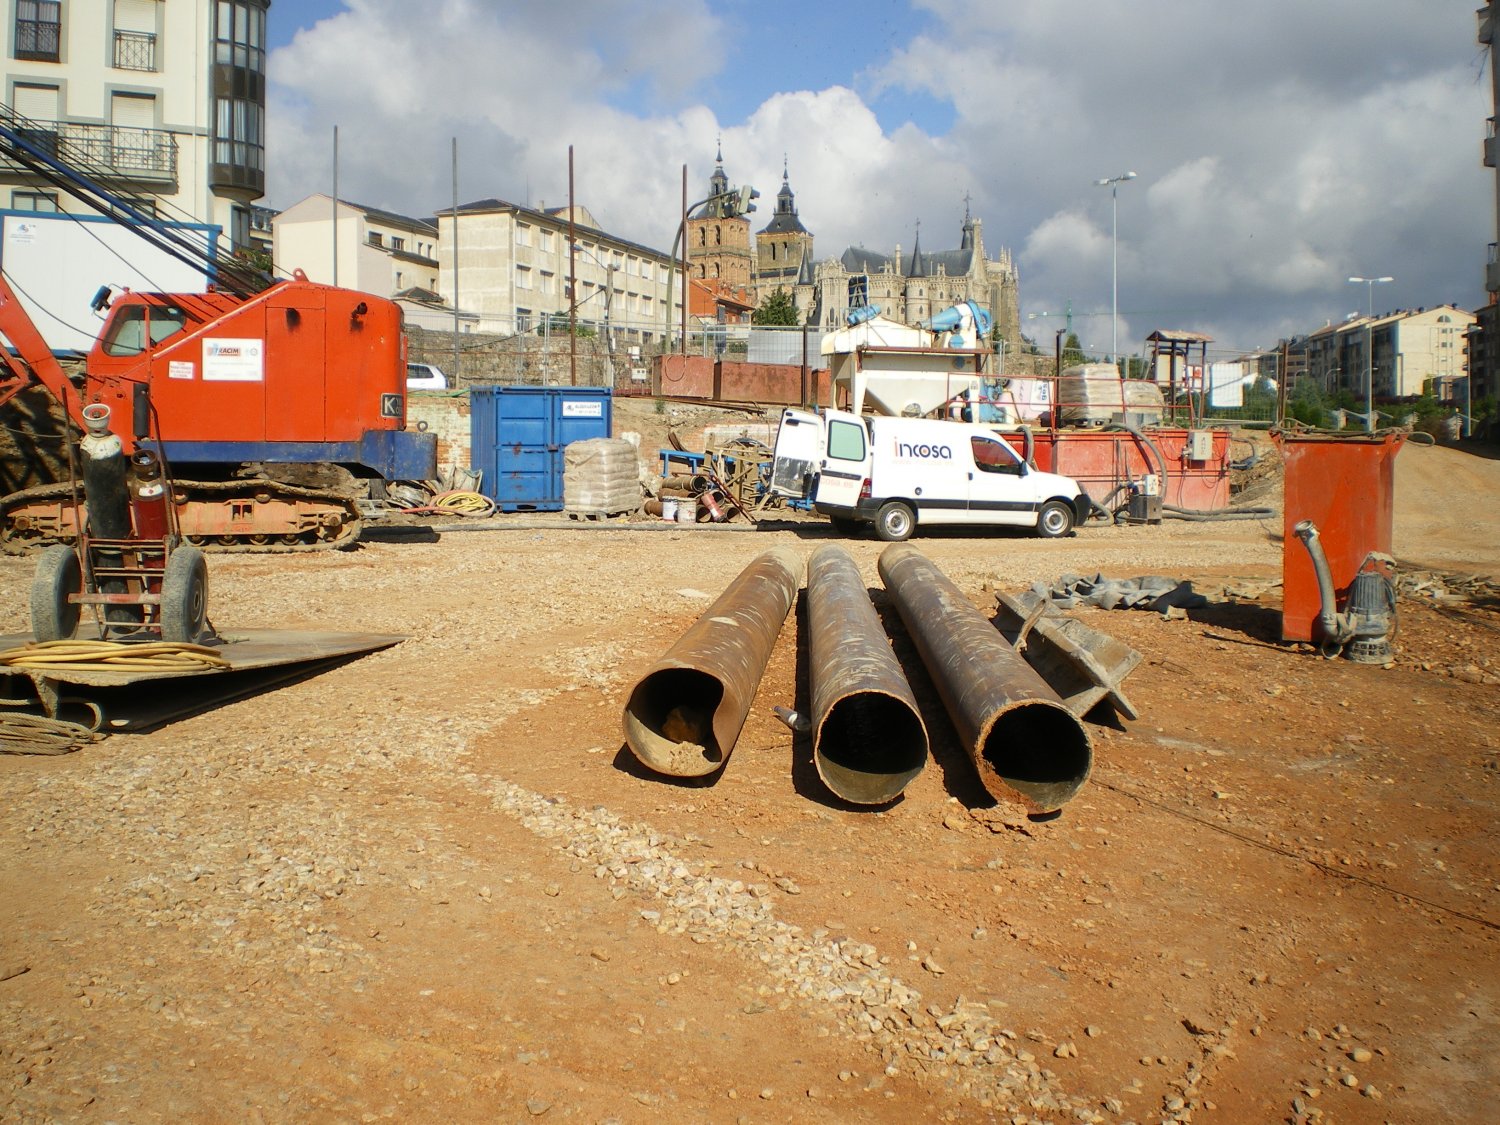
(432, 884)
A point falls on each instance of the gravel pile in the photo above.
(962, 1045)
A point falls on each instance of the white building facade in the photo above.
(160, 101)
(356, 247)
(513, 269)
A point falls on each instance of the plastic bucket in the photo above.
(687, 510)
(669, 509)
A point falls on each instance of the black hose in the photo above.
(1200, 515)
(1161, 461)
(1102, 506)
(1249, 462)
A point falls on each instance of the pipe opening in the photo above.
(869, 746)
(1040, 750)
(669, 721)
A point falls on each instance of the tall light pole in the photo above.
(1113, 183)
(609, 291)
(1369, 283)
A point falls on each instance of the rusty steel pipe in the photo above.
(1025, 744)
(683, 716)
(868, 736)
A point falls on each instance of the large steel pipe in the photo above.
(684, 715)
(868, 737)
(1026, 746)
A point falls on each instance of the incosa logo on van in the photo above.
(923, 451)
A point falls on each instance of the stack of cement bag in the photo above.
(601, 477)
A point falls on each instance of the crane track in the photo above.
(326, 519)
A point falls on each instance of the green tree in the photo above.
(1307, 403)
(556, 324)
(777, 308)
(1072, 353)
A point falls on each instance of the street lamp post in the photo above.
(1113, 183)
(1369, 283)
(609, 292)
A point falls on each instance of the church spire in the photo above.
(916, 267)
(718, 183)
(786, 202)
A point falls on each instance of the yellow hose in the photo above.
(91, 656)
(464, 503)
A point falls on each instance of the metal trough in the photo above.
(684, 715)
(123, 701)
(868, 736)
(1080, 663)
(1025, 744)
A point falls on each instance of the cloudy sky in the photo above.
(1280, 146)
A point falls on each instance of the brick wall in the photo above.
(447, 416)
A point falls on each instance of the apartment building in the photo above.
(161, 102)
(1407, 352)
(355, 246)
(513, 269)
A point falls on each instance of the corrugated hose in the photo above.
(36, 734)
(456, 503)
(96, 656)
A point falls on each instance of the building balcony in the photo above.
(106, 153)
(135, 50)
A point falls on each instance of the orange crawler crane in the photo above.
(252, 395)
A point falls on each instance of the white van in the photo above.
(901, 473)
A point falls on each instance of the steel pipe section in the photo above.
(682, 717)
(868, 736)
(1025, 744)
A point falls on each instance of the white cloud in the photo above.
(1280, 146)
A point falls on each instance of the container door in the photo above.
(519, 464)
(999, 489)
(799, 449)
(846, 463)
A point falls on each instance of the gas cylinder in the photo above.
(148, 495)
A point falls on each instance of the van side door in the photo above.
(846, 460)
(999, 489)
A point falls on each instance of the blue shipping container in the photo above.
(517, 437)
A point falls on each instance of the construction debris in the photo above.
(1151, 591)
(1083, 665)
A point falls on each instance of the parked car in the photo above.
(425, 377)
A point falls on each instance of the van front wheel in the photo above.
(1054, 520)
(895, 522)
